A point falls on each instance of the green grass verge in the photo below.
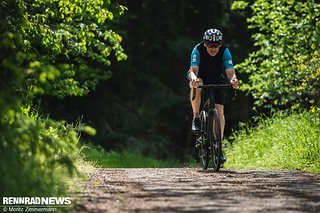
(289, 142)
(124, 159)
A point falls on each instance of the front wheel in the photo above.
(214, 136)
(202, 143)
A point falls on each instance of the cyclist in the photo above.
(209, 59)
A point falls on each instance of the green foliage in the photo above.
(284, 70)
(308, 71)
(69, 45)
(124, 159)
(11, 58)
(36, 154)
(285, 141)
(55, 48)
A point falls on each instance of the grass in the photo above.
(124, 159)
(285, 141)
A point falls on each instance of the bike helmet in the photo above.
(212, 35)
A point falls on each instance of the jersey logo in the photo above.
(194, 58)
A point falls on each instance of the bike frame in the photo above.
(210, 132)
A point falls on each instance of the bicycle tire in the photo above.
(203, 151)
(214, 135)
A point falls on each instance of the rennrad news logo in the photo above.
(34, 204)
(36, 201)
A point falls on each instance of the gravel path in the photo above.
(194, 190)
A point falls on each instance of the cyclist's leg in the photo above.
(197, 101)
(220, 100)
(219, 104)
(220, 109)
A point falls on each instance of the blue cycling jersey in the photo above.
(226, 58)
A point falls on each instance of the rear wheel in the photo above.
(215, 139)
(202, 144)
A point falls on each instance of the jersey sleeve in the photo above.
(227, 59)
(195, 57)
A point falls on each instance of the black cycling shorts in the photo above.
(220, 96)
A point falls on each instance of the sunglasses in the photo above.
(213, 45)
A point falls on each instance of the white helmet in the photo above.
(212, 35)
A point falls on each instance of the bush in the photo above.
(284, 69)
(36, 155)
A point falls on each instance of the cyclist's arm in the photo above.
(229, 68)
(193, 73)
(194, 64)
(231, 73)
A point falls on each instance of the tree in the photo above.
(69, 45)
(284, 70)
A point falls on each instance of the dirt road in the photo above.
(194, 190)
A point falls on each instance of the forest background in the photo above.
(144, 106)
(113, 74)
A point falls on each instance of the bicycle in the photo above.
(209, 141)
